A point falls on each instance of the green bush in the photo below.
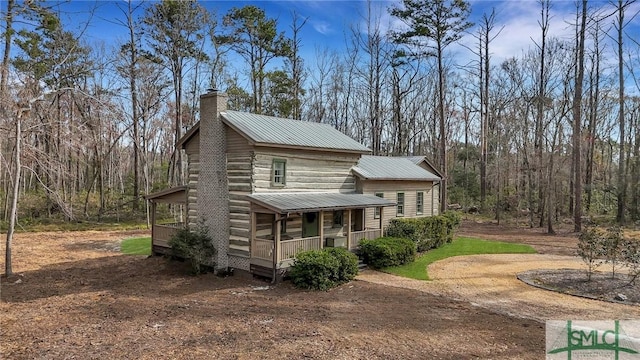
(631, 255)
(196, 246)
(348, 264)
(436, 233)
(453, 223)
(387, 251)
(592, 249)
(426, 232)
(323, 269)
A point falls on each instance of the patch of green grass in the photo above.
(61, 225)
(136, 246)
(460, 246)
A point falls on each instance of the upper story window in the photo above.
(278, 172)
(400, 206)
(419, 202)
(376, 213)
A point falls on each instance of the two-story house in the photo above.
(268, 188)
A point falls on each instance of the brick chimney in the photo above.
(213, 194)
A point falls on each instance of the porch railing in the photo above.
(161, 234)
(357, 236)
(290, 248)
(262, 249)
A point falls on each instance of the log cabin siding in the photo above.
(305, 171)
(192, 149)
(239, 176)
(193, 165)
(390, 189)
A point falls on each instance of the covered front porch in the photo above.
(283, 225)
(161, 233)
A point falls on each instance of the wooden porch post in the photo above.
(348, 229)
(276, 238)
(381, 216)
(153, 222)
(252, 232)
(321, 228)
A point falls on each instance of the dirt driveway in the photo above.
(489, 281)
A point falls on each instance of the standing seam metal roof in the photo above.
(391, 168)
(295, 202)
(262, 129)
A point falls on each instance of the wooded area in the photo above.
(552, 133)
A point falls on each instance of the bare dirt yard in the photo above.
(76, 297)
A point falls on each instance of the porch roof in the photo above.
(306, 202)
(174, 195)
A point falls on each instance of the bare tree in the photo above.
(619, 25)
(577, 120)
(433, 26)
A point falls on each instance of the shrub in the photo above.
(403, 228)
(591, 249)
(196, 246)
(427, 232)
(348, 264)
(436, 233)
(315, 270)
(612, 243)
(387, 251)
(453, 223)
(631, 255)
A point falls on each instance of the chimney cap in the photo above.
(212, 90)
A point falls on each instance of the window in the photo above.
(338, 218)
(283, 227)
(278, 172)
(419, 202)
(400, 206)
(376, 213)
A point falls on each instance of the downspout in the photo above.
(275, 246)
(433, 198)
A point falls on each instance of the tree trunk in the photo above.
(8, 31)
(443, 138)
(594, 100)
(577, 124)
(134, 108)
(622, 184)
(540, 103)
(14, 199)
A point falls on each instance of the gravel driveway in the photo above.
(489, 281)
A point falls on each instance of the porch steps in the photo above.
(361, 265)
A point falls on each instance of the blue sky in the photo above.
(330, 22)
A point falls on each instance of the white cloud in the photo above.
(323, 27)
(520, 24)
